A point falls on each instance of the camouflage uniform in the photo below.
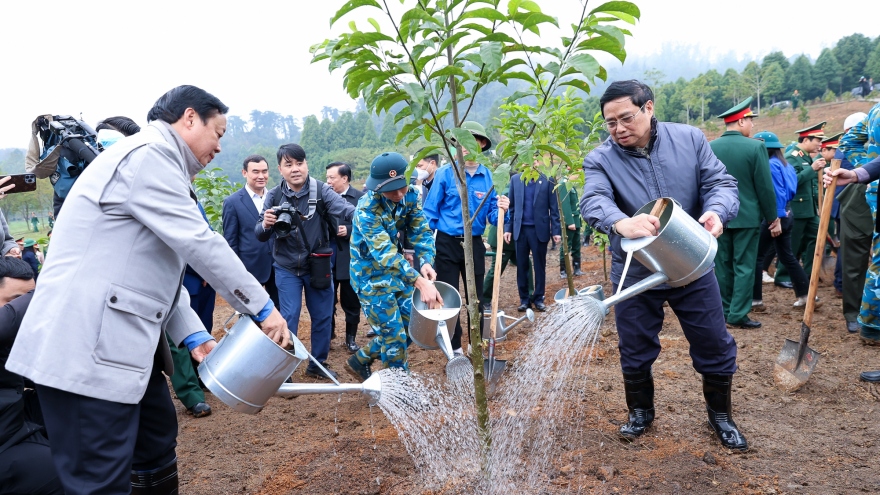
(381, 276)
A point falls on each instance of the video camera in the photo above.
(74, 136)
(285, 212)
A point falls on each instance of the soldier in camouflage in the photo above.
(383, 279)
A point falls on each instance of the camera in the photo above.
(285, 213)
(75, 136)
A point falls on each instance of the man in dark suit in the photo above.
(339, 178)
(534, 217)
(241, 210)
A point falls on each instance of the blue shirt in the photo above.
(784, 183)
(442, 205)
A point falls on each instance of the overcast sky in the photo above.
(98, 59)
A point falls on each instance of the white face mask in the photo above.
(108, 137)
(421, 174)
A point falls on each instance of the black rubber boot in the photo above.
(639, 388)
(577, 269)
(350, 334)
(716, 390)
(159, 481)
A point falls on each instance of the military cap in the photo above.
(739, 111)
(478, 131)
(29, 242)
(387, 172)
(770, 140)
(812, 131)
(832, 141)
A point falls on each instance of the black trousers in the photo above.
(97, 443)
(528, 243)
(449, 265)
(781, 245)
(27, 468)
(699, 311)
(344, 294)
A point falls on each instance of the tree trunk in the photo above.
(563, 228)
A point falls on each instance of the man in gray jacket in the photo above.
(92, 339)
(645, 160)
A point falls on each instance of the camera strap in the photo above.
(314, 197)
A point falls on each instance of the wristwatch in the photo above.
(614, 228)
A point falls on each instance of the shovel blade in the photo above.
(493, 370)
(787, 373)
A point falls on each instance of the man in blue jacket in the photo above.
(645, 160)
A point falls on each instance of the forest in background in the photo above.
(692, 97)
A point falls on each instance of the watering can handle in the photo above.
(659, 207)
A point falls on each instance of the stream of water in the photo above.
(537, 402)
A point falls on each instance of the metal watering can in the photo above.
(246, 368)
(681, 252)
(430, 328)
(505, 323)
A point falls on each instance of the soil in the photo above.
(821, 439)
(818, 440)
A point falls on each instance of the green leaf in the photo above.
(415, 92)
(484, 13)
(490, 54)
(530, 6)
(466, 139)
(621, 10)
(362, 38)
(452, 40)
(351, 5)
(608, 44)
(501, 177)
(531, 21)
(586, 64)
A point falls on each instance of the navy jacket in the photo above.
(546, 224)
(341, 246)
(239, 217)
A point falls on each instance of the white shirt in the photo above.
(256, 198)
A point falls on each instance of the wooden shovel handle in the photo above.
(499, 246)
(824, 219)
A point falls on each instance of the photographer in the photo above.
(300, 213)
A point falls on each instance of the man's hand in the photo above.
(641, 225)
(269, 219)
(14, 252)
(571, 227)
(507, 237)
(201, 352)
(712, 223)
(775, 228)
(843, 175)
(557, 239)
(275, 327)
(503, 202)
(428, 272)
(342, 231)
(428, 292)
(818, 164)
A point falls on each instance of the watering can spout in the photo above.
(637, 288)
(371, 388)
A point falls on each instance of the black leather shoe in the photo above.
(784, 285)
(539, 306)
(578, 272)
(639, 389)
(716, 391)
(317, 373)
(200, 410)
(747, 324)
(870, 376)
(522, 307)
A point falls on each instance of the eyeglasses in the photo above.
(627, 121)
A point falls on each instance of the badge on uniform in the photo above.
(479, 194)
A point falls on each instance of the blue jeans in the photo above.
(318, 302)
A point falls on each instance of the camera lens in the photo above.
(282, 225)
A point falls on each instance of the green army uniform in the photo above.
(380, 275)
(571, 215)
(804, 205)
(184, 380)
(745, 159)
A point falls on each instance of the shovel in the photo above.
(495, 367)
(796, 362)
